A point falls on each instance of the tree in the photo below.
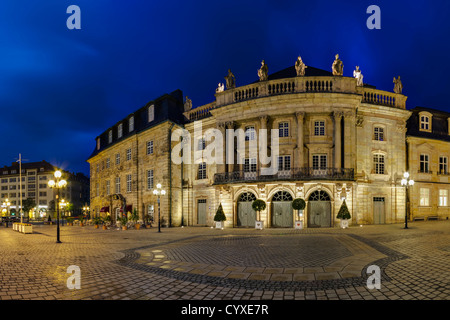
(298, 204)
(343, 213)
(258, 205)
(220, 215)
(28, 204)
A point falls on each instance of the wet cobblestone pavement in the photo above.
(194, 263)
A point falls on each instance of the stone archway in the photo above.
(246, 216)
(282, 211)
(319, 209)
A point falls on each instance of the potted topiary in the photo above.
(258, 205)
(123, 222)
(106, 222)
(81, 218)
(97, 221)
(299, 205)
(134, 217)
(220, 217)
(69, 221)
(344, 215)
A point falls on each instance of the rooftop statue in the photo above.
(187, 104)
(230, 80)
(398, 86)
(220, 87)
(263, 71)
(300, 67)
(337, 67)
(359, 77)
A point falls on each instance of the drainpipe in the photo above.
(169, 138)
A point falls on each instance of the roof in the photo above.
(28, 166)
(439, 124)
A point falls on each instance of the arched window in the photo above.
(247, 197)
(319, 195)
(282, 196)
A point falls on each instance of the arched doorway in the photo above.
(246, 216)
(319, 209)
(282, 212)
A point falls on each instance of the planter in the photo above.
(298, 224)
(81, 224)
(137, 226)
(104, 227)
(259, 225)
(124, 227)
(344, 223)
(96, 226)
(70, 223)
(219, 224)
(27, 229)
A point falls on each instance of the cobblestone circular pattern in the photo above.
(262, 251)
(131, 256)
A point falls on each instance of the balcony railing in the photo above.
(290, 175)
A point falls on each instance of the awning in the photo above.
(127, 209)
(104, 209)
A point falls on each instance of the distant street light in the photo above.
(6, 204)
(159, 192)
(58, 183)
(407, 182)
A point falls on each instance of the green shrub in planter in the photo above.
(343, 213)
(258, 205)
(220, 215)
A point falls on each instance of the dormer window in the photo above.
(110, 136)
(425, 121)
(151, 113)
(98, 143)
(131, 124)
(120, 130)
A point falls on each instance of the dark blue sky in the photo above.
(60, 88)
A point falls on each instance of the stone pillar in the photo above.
(263, 126)
(221, 168)
(349, 131)
(300, 143)
(337, 139)
(230, 165)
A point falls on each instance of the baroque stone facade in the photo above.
(337, 140)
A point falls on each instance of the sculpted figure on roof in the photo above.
(230, 80)
(187, 104)
(300, 67)
(359, 77)
(337, 67)
(263, 71)
(398, 86)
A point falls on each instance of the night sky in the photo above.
(61, 88)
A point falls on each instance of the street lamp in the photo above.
(159, 192)
(58, 183)
(85, 208)
(6, 204)
(407, 182)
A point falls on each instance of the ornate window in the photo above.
(284, 163)
(319, 128)
(319, 161)
(250, 133)
(378, 133)
(378, 163)
(283, 129)
(202, 171)
(425, 121)
(247, 197)
(282, 196)
(319, 195)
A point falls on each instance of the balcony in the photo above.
(298, 174)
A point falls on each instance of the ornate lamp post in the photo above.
(407, 182)
(85, 209)
(6, 204)
(159, 192)
(58, 183)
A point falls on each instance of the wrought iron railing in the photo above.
(288, 175)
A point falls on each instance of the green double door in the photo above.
(246, 216)
(319, 214)
(282, 214)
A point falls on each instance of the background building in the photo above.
(35, 177)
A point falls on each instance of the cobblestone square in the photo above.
(194, 263)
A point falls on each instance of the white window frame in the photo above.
(424, 163)
(443, 197)
(117, 189)
(150, 147)
(120, 130)
(283, 129)
(151, 113)
(110, 136)
(424, 200)
(117, 158)
(319, 128)
(378, 133)
(201, 174)
(443, 165)
(150, 179)
(319, 161)
(129, 182)
(128, 154)
(379, 163)
(131, 124)
(250, 133)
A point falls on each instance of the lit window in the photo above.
(283, 129)
(424, 197)
(378, 134)
(319, 128)
(378, 163)
(443, 197)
